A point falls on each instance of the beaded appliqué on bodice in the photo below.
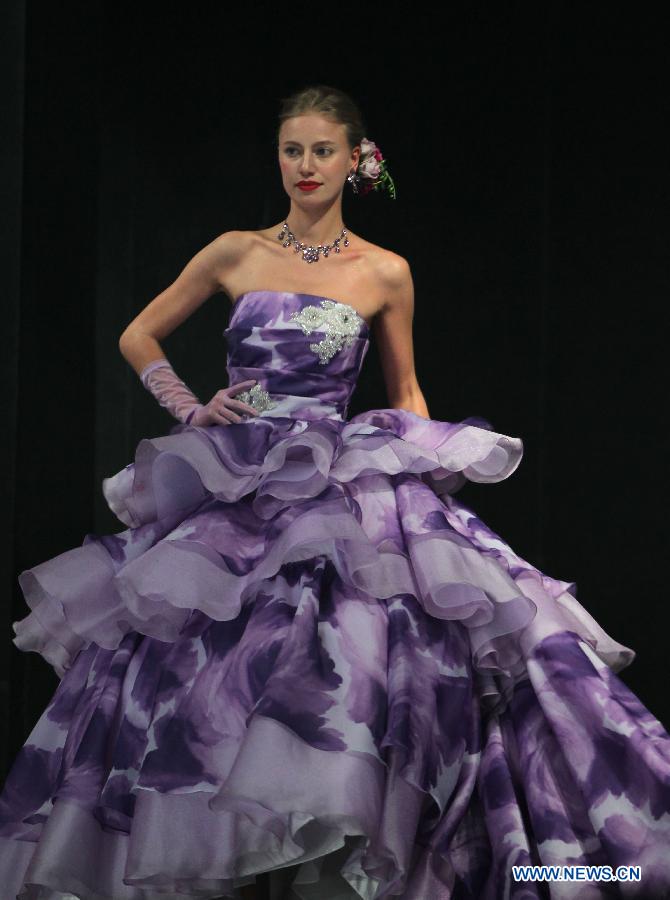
(340, 321)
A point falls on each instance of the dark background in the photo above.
(529, 147)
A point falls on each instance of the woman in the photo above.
(304, 656)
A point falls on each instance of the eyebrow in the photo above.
(315, 144)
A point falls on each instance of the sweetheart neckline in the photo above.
(303, 294)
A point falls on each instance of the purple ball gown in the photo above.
(305, 656)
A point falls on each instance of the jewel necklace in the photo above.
(310, 253)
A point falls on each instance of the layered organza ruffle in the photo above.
(257, 676)
(216, 512)
(306, 657)
(170, 771)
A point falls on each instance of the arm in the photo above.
(139, 343)
(200, 278)
(393, 332)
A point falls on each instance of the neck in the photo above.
(315, 226)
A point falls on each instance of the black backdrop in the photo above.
(529, 147)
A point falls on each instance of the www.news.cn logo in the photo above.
(576, 873)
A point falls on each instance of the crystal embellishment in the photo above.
(340, 321)
(256, 397)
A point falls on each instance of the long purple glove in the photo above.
(162, 381)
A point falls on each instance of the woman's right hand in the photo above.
(223, 408)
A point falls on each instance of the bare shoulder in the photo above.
(221, 252)
(231, 246)
(235, 246)
(393, 268)
(395, 277)
(226, 252)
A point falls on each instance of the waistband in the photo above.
(292, 406)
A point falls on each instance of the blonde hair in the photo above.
(327, 101)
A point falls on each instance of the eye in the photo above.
(327, 151)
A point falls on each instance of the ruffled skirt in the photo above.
(305, 656)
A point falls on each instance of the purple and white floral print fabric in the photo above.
(305, 655)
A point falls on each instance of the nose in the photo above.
(306, 165)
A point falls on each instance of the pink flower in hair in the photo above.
(372, 172)
(369, 168)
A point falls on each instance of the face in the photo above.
(314, 148)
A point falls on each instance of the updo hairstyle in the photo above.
(330, 102)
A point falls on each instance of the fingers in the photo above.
(227, 397)
(243, 407)
(217, 419)
(219, 412)
(226, 405)
(231, 392)
(223, 408)
(241, 385)
(238, 388)
(228, 414)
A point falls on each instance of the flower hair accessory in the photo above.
(372, 172)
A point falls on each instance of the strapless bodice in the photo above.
(304, 350)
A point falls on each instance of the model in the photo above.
(304, 656)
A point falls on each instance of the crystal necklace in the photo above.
(310, 253)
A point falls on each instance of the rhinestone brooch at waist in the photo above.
(256, 397)
(340, 321)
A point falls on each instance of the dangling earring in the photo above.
(353, 180)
